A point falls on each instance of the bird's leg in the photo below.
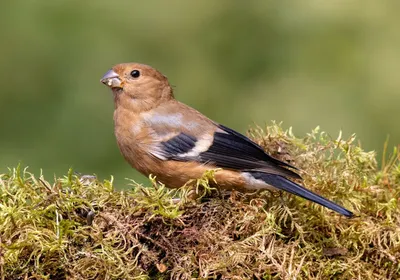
(233, 195)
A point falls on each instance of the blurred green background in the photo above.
(330, 63)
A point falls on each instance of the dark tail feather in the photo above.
(284, 184)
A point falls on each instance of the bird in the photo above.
(160, 136)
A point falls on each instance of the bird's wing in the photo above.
(224, 148)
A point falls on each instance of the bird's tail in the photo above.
(284, 184)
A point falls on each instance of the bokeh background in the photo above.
(335, 64)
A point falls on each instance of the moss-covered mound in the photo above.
(80, 228)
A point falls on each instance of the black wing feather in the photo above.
(230, 150)
(250, 147)
(180, 144)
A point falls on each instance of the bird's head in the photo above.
(137, 86)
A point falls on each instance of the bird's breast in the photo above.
(134, 139)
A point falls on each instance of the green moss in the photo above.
(81, 228)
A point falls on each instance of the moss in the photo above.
(78, 227)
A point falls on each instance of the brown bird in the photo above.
(161, 136)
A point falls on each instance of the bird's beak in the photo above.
(111, 79)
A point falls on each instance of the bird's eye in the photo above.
(135, 73)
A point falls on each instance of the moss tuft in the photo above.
(81, 228)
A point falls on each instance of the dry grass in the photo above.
(80, 228)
